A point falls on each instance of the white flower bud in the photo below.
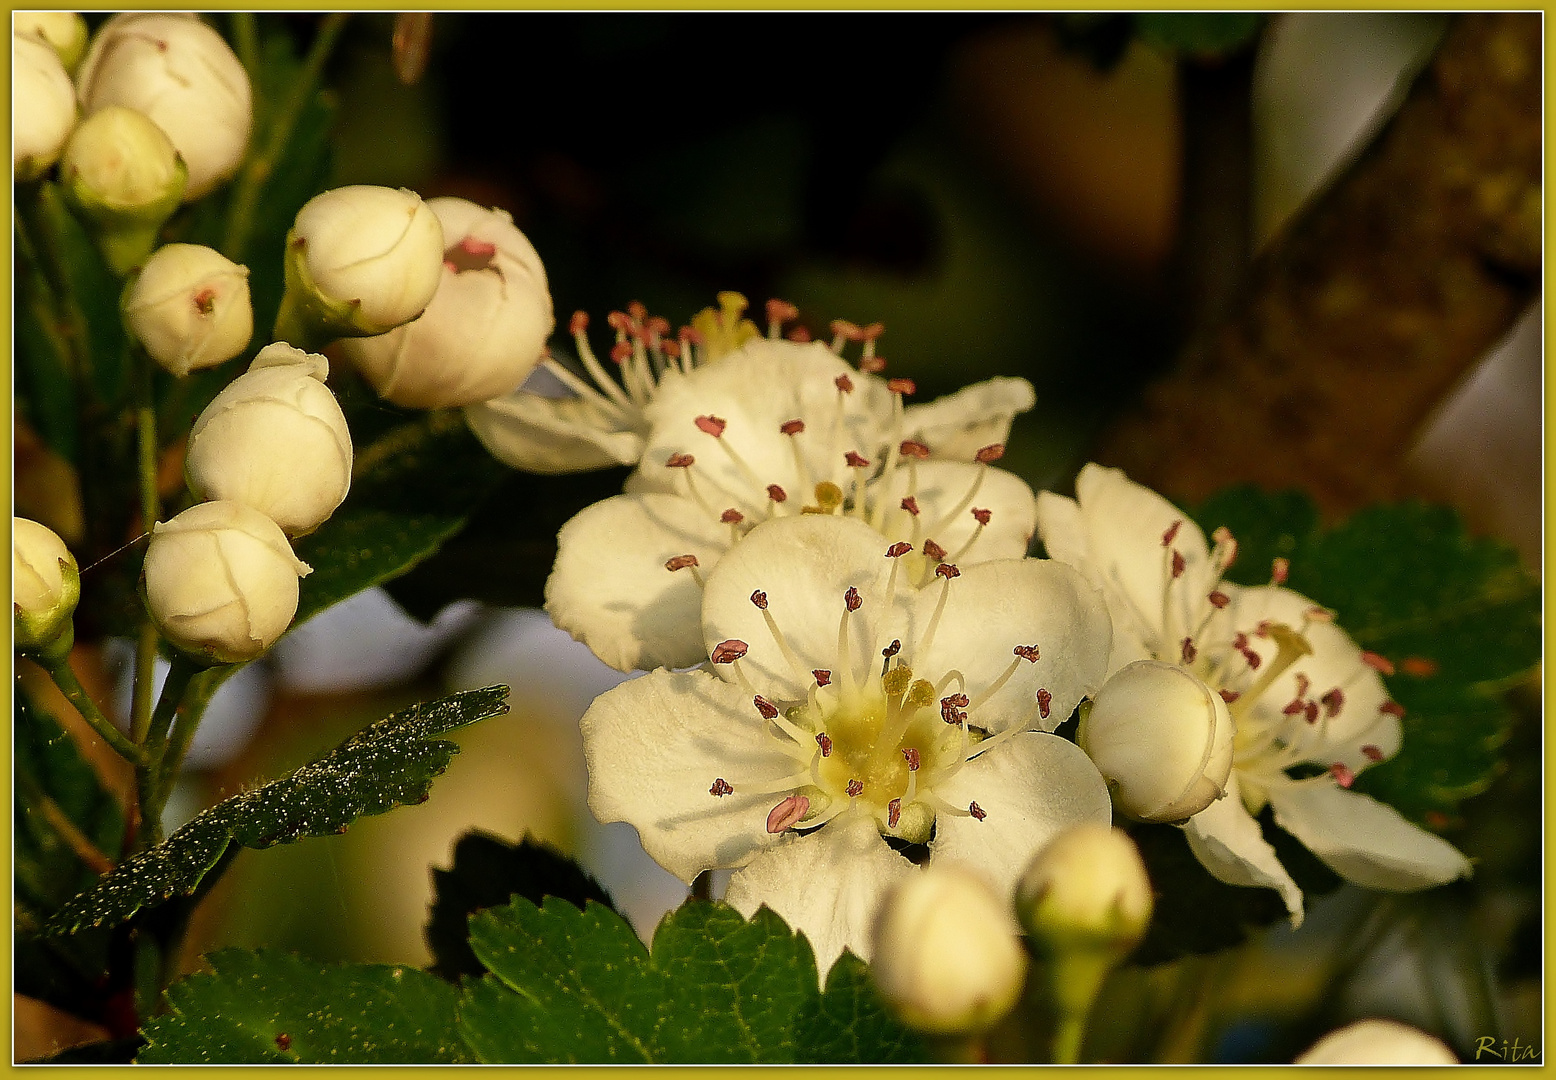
(275, 440)
(121, 171)
(487, 324)
(43, 107)
(947, 953)
(360, 261)
(1086, 891)
(62, 31)
(1161, 738)
(1377, 1042)
(221, 581)
(189, 307)
(178, 71)
(45, 586)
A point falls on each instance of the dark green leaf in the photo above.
(578, 986)
(272, 1008)
(108, 1052)
(45, 389)
(488, 871)
(95, 291)
(1200, 33)
(387, 764)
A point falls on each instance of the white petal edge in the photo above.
(957, 426)
(654, 746)
(1228, 842)
(552, 435)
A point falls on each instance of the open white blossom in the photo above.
(775, 429)
(842, 706)
(562, 422)
(1309, 707)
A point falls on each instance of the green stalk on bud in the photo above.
(45, 586)
(1085, 902)
(122, 175)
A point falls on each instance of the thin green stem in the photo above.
(245, 39)
(148, 789)
(145, 675)
(245, 201)
(64, 677)
(201, 689)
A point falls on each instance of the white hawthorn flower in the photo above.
(43, 107)
(596, 422)
(189, 308)
(948, 954)
(276, 440)
(842, 706)
(775, 429)
(62, 31)
(178, 71)
(221, 581)
(1303, 697)
(1377, 1042)
(487, 324)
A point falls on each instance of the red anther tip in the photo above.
(1045, 702)
(893, 649)
(1219, 599)
(978, 812)
(825, 742)
(1172, 532)
(851, 599)
(1343, 776)
(759, 598)
(713, 425)
(1333, 702)
(981, 516)
(787, 813)
(781, 311)
(855, 461)
(992, 452)
(688, 334)
(933, 550)
(1292, 708)
(1028, 653)
(791, 427)
(619, 322)
(448, 264)
(898, 550)
(1178, 564)
(912, 449)
(1189, 651)
(768, 710)
(873, 331)
(658, 325)
(731, 517)
(636, 309)
(846, 329)
(1310, 712)
(621, 352)
(679, 461)
(1280, 570)
(823, 676)
(670, 347)
(1372, 753)
(776, 493)
(799, 335)
(1419, 666)
(911, 754)
(844, 383)
(578, 323)
(910, 504)
(1393, 708)
(726, 652)
(721, 788)
(947, 571)
(681, 562)
(479, 249)
(1229, 696)
(893, 813)
(872, 365)
(1378, 663)
(855, 789)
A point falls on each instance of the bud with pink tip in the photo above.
(189, 308)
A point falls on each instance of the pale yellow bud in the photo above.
(43, 107)
(123, 175)
(62, 31)
(189, 307)
(1086, 891)
(45, 586)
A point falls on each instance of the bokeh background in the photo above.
(1008, 194)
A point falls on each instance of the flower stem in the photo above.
(257, 171)
(150, 797)
(245, 40)
(201, 689)
(1077, 980)
(64, 677)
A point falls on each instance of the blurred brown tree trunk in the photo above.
(1373, 301)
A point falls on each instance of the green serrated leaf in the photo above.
(577, 986)
(387, 764)
(273, 1008)
(1200, 33)
(488, 871)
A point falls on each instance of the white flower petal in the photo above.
(610, 588)
(1227, 841)
(993, 608)
(655, 745)
(827, 885)
(804, 565)
(1366, 841)
(945, 512)
(957, 426)
(1032, 787)
(553, 435)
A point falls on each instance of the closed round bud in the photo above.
(121, 172)
(487, 324)
(43, 107)
(1377, 1042)
(275, 440)
(178, 71)
(62, 31)
(189, 307)
(1161, 738)
(221, 581)
(947, 953)
(1086, 891)
(45, 586)
(360, 261)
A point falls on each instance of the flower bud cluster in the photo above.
(272, 455)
